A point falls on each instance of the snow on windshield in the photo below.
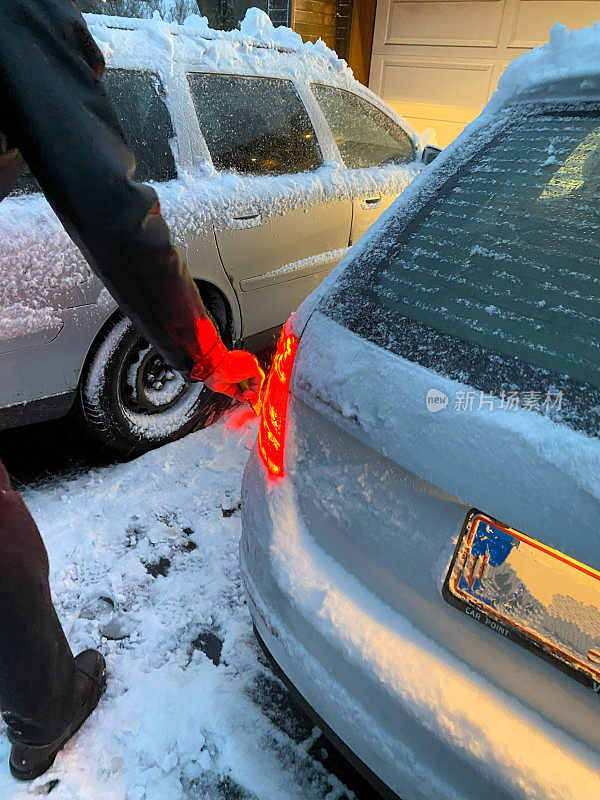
(502, 264)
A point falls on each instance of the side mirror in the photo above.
(430, 152)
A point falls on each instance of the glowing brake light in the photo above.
(271, 434)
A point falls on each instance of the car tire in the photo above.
(132, 401)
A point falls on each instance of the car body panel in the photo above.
(347, 555)
(52, 368)
(366, 209)
(272, 263)
(204, 264)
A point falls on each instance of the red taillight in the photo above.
(271, 434)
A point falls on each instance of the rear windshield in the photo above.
(504, 262)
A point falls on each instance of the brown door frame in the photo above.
(358, 48)
(361, 39)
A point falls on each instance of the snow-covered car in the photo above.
(269, 159)
(421, 511)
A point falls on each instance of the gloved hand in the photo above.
(222, 370)
(238, 366)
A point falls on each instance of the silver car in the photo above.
(421, 511)
(269, 160)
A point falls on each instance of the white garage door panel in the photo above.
(534, 18)
(440, 83)
(437, 62)
(438, 22)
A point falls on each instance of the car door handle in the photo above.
(251, 220)
(371, 202)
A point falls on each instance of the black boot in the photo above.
(28, 761)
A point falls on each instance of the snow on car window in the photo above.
(365, 136)
(254, 125)
(503, 262)
(145, 120)
(146, 124)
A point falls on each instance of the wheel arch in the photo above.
(219, 305)
(213, 298)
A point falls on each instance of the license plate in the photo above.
(530, 593)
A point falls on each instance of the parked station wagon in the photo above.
(270, 160)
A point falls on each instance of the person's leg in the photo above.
(42, 687)
(37, 668)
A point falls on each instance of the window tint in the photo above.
(366, 137)
(136, 97)
(504, 261)
(254, 125)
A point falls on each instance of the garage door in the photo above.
(438, 61)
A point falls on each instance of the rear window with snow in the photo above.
(504, 261)
(254, 125)
(365, 136)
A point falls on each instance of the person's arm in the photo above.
(54, 109)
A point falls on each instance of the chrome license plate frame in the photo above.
(462, 590)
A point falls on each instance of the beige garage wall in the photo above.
(438, 61)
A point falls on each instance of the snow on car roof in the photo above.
(570, 57)
(256, 30)
(195, 39)
(258, 47)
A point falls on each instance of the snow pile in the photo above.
(258, 26)
(147, 553)
(255, 30)
(567, 54)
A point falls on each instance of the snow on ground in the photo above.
(172, 724)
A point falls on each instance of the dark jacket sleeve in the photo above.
(54, 109)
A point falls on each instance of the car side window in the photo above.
(254, 125)
(137, 97)
(144, 117)
(365, 136)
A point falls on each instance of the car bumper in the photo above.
(352, 707)
(382, 790)
(425, 723)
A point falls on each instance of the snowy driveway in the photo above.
(147, 553)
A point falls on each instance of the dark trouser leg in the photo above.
(36, 664)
